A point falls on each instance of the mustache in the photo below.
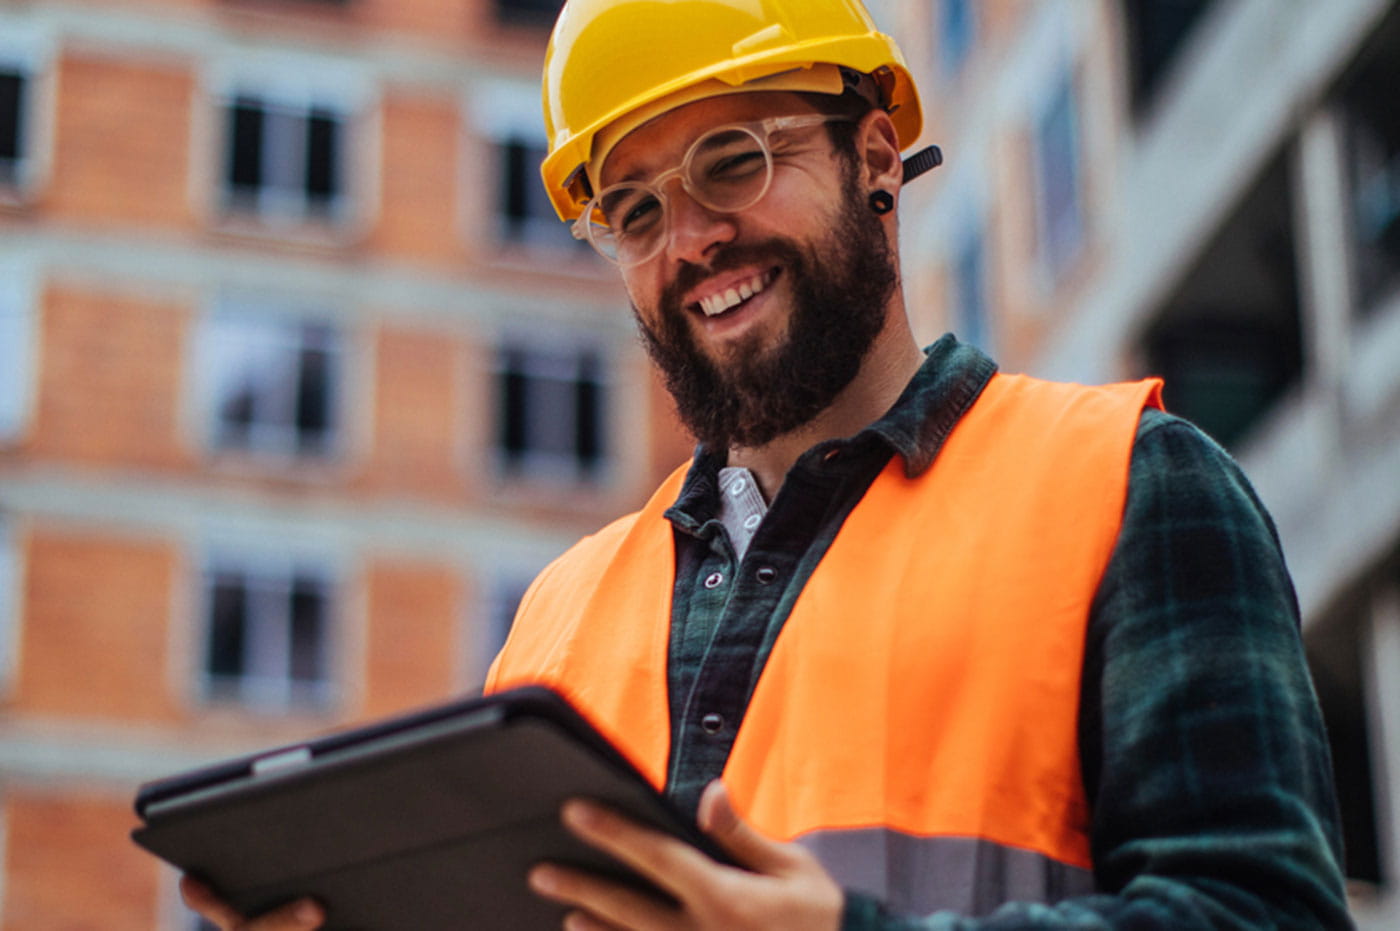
(774, 251)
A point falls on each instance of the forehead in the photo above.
(661, 143)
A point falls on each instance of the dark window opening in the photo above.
(1059, 211)
(284, 160)
(322, 156)
(1367, 96)
(313, 417)
(527, 214)
(246, 141)
(1229, 341)
(514, 388)
(588, 408)
(308, 634)
(1339, 676)
(1157, 31)
(541, 13)
(552, 409)
(267, 636)
(12, 142)
(274, 385)
(517, 201)
(228, 620)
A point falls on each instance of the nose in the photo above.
(694, 229)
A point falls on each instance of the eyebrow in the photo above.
(638, 173)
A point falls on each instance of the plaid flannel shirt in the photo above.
(1204, 757)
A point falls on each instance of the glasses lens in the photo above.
(726, 170)
(729, 169)
(600, 237)
(631, 210)
(628, 223)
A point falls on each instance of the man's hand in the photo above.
(295, 916)
(783, 887)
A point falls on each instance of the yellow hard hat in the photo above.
(614, 64)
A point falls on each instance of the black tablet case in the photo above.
(425, 821)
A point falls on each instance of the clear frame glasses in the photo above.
(728, 169)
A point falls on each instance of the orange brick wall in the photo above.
(110, 381)
(96, 611)
(447, 21)
(413, 642)
(417, 414)
(100, 600)
(70, 865)
(443, 19)
(419, 199)
(122, 143)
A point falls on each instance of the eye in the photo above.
(735, 166)
(726, 155)
(642, 216)
(631, 211)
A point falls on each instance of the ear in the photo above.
(878, 145)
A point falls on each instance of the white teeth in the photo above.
(717, 304)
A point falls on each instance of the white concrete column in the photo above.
(1324, 253)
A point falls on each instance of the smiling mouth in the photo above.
(727, 300)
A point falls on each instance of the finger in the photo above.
(582, 921)
(673, 865)
(294, 916)
(716, 817)
(601, 904)
(202, 899)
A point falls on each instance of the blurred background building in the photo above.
(300, 383)
(300, 380)
(1207, 190)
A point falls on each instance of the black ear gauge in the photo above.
(882, 202)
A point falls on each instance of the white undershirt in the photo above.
(741, 507)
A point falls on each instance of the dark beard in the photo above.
(840, 290)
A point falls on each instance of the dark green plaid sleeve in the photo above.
(1203, 749)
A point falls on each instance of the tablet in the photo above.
(428, 820)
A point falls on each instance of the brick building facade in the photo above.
(1207, 190)
(300, 381)
(299, 386)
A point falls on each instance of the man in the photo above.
(921, 644)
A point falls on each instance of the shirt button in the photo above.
(714, 580)
(712, 723)
(752, 521)
(765, 574)
(739, 487)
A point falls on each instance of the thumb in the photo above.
(717, 818)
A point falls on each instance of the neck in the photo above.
(883, 375)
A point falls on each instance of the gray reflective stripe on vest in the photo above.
(921, 875)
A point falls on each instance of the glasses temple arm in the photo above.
(922, 161)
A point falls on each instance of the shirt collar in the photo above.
(941, 391)
(951, 378)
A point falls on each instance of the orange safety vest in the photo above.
(916, 720)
